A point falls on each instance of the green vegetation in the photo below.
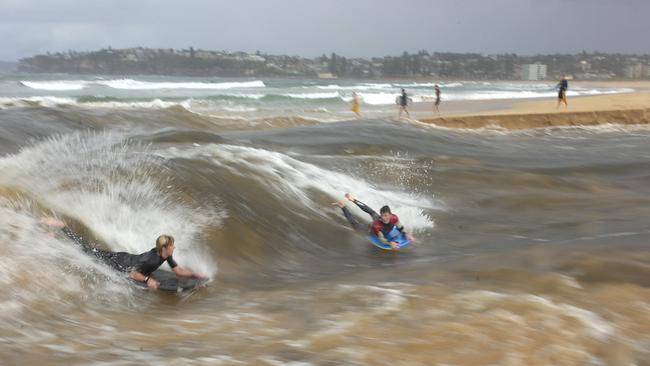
(191, 62)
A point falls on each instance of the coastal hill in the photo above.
(471, 66)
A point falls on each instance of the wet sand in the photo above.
(628, 108)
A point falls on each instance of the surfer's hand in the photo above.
(152, 284)
(53, 222)
(394, 245)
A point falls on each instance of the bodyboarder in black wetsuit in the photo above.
(139, 266)
(145, 263)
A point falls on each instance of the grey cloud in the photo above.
(309, 28)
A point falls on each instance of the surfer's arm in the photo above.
(400, 227)
(140, 277)
(382, 238)
(182, 272)
(385, 242)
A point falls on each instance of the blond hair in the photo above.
(164, 241)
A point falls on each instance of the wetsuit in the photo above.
(378, 227)
(564, 85)
(403, 99)
(437, 96)
(144, 263)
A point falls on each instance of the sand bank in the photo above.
(629, 108)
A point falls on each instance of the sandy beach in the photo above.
(627, 108)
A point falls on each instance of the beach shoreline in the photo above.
(627, 109)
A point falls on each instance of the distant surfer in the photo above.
(437, 102)
(403, 102)
(139, 266)
(563, 86)
(356, 104)
(382, 223)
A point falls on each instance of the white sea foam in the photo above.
(35, 263)
(365, 86)
(51, 101)
(312, 95)
(249, 96)
(57, 85)
(287, 176)
(109, 185)
(479, 301)
(46, 101)
(377, 98)
(152, 104)
(385, 98)
(524, 94)
(429, 85)
(239, 109)
(131, 84)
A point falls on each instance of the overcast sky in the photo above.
(312, 27)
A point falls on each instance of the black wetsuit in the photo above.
(144, 263)
(356, 225)
(404, 99)
(437, 96)
(564, 85)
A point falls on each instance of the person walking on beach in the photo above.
(356, 104)
(563, 85)
(403, 101)
(437, 102)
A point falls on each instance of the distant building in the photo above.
(255, 58)
(204, 54)
(326, 75)
(534, 72)
(637, 71)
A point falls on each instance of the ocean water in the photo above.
(532, 245)
(318, 100)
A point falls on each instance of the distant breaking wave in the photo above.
(384, 86)
(240, 100)
(145, 85)
(59, 85)
(130, 84)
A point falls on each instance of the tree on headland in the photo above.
(191, 62)
(332, 64)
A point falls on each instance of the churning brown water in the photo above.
(533, 246)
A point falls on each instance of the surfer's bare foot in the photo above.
(350, 197)
(341, 204)
(53, 222)
(394, 245)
